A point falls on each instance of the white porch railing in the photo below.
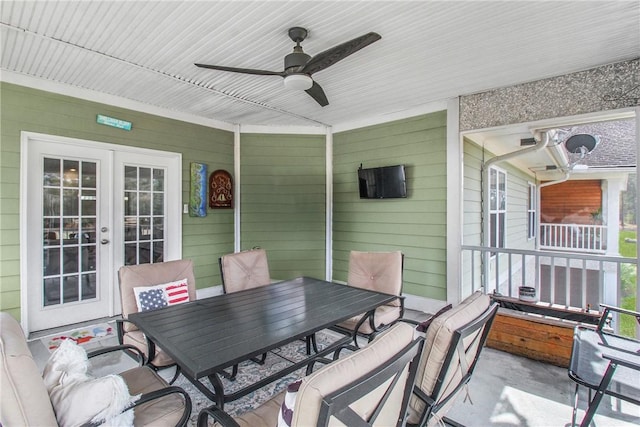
(569, 280)
(573, 237)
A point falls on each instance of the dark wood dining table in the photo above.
(208, 335)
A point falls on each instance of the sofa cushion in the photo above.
(24, 400)
(77, 398)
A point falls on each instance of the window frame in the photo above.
(532, 210)
(498, 240)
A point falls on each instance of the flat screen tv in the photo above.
(387, 182)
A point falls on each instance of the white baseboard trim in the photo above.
(426, 305)
(211, 291)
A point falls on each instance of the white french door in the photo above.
(90, 208)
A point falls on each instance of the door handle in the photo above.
(104, 241)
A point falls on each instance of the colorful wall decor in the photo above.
(220, 190)
(198, 190)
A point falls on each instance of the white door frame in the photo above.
(174, 211)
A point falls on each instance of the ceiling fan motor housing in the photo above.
(296, 59)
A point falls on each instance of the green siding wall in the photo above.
(283, 201)
(517, 194)
(415, 225)
(25, 109)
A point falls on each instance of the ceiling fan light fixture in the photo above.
(298, 82)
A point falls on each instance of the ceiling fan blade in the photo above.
(317, 93)
(331, 56)
(242, 70)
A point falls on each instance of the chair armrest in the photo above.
(124, 347)
(608, 307)
(151, 347)
(627, 362)
(604, 319)
(218, 415)
(156, 394)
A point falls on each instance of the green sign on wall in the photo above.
(116, 123)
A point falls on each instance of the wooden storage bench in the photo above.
(544, 337)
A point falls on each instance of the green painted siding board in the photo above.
(32, 110)
(415, 225)
(10, 299)
(283, 201)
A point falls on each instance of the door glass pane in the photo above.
(51, 261)
(51, 202)
(144, 207)
(158, 228)
(158, 180)
(88, 286)
(70, 202)
(158, 203)
(130, 203)
(145, 179)
(144, 201)
(71, 173)
(158, 251)
(131, 254)
(69, 230)
(51, 288)
(89, 179)
(51, 231)
(51, 172)
(88, 202)
(130, 178)
(70, 291)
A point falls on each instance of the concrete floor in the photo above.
(506, 390)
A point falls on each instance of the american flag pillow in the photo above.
(164, 295)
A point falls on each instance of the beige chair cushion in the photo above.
(244, 270)
(266, 415)
(24, 400)
(165, 411)
(385, 315)
(437, 341)
(137, 339)
(331, 377)
(376, 271)
(133, 276)
(349, 368)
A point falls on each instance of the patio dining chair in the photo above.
(368, 387)
(604, 362)
(381, 272)
(153, 286)
(65, 392)
(453, 342)
(244, 270)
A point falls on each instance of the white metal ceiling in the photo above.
(429, 51)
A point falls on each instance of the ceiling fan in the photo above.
(298, 66)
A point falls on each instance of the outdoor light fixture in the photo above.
(298, 82)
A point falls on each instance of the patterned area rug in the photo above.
(88, 334)
(249, 372)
